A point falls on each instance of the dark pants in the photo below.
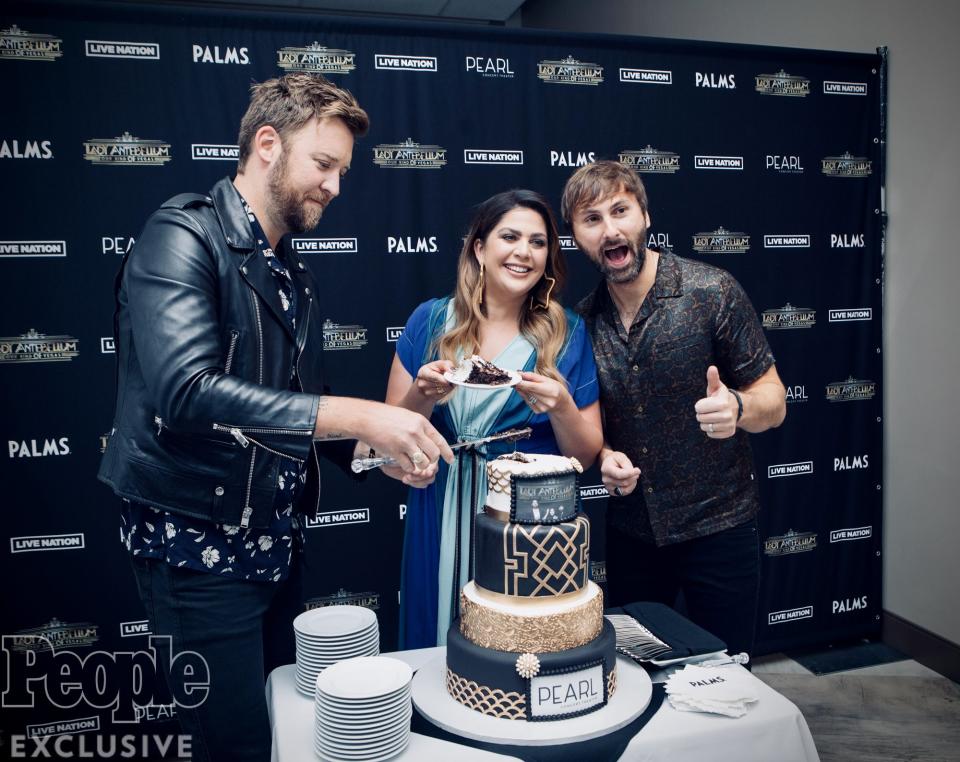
(719, 576)
(243, 630)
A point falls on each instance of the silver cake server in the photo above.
(358, 465)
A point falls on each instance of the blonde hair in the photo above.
(544, 327)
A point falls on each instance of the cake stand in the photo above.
(628, 702)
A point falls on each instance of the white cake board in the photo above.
(628, 702)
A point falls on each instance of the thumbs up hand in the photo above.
(717, 411)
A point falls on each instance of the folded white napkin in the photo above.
(719, 690)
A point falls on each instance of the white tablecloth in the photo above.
(773, 729)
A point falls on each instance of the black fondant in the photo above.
(532, 560)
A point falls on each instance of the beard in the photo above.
(624, 274)
(290, 207)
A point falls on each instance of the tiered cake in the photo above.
(531, 642)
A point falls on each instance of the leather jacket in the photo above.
(204, 412)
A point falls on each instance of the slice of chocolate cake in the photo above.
(484, 372)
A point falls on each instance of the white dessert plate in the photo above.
(334, 621)
(514, 380)
(364, 677)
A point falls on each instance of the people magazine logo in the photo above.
(42, 671)
(650, 160)
(21, 45)
(569, 71)
(781, 83)
(126, 150)
(316, 58)
(789, 317)
(409, 155)
(721, 241)
(121, 49)
(34, 346)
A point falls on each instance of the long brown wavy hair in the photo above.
(544, 327)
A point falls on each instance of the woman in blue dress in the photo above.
(504, 309)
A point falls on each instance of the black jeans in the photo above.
(719, 576)
(243, 630)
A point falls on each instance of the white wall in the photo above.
(922, 310)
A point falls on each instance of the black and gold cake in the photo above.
(531, 642)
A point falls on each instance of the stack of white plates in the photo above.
(363, 709)
(329, 635)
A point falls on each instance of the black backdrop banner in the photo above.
(763, 161)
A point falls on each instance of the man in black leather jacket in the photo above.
(221, 405)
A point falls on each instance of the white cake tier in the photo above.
(534, 625)
(499, 471)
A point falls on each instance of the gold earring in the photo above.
(544, 305)
(480, 286)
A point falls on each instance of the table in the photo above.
(773, 728)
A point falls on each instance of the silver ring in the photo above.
(709, 428)
(532, 400)
(418, 458)
(618, 492)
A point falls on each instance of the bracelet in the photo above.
(736, 394)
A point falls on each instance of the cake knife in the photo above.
(359, 465)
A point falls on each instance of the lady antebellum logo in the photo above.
(851, 390)
(791, 542)
(789, 316)
(126, 149)
(782, 83)
(27, 46)
(336, 336)
(318, 58)
(651, 160)
(37, 347)
(570, 71)
(846, 166)
(342, 597)
(721, 241)
(409, 155)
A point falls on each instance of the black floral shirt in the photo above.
(254, 554)
(694, 316)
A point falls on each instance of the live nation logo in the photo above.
(647, 76)
(135, 629)
(789, 317)
(409, 155)
(369, 600)
(214, 152)
(790, 543)
(394, 332)
(126, 149)
(18, 44)
(492, 156)
(567, 243)
(338, 518)
(45, 542)
(400, 62)
(594, 492)
(851, 533)
(316, 58)
(851, 390)
(790, 469)
(850, 314)
(119, 49)
(786, 241)
(108, 345)
(846, 165)
(844, 88)
(569, 71)
(782, 83)
(33, 346)
(336, 336)
(650, 160)
(33, 249)
(718, 162)
(324, 245)
(721, 241)
(790, 615)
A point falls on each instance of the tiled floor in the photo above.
(781, 664)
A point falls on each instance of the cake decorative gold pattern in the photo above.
(508, 705)
(531, 559)
(501, 631)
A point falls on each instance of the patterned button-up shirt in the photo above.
(254, 554)
(651, 375)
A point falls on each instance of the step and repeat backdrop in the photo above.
(763, 161)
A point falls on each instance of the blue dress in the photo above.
(434, 553)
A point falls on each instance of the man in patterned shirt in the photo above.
(676, 458)
(222, 408)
